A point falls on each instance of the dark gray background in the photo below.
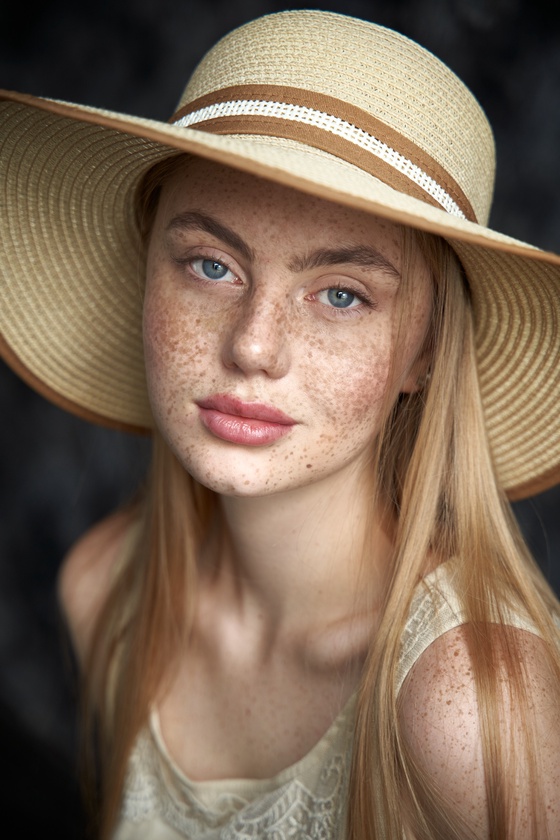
(59, 474)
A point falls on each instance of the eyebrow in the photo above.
(364, 256)
(192, 220)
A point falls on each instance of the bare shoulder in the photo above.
(441, 726)
(87, 573)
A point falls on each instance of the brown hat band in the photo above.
(333, 126)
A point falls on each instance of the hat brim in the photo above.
(73, 270)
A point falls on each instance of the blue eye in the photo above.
(339, 298)
(213, 269)
(210, 269)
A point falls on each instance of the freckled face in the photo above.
(268, 331)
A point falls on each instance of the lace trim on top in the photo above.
(435, 609)
(304, 800)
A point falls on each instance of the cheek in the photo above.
(349, 378)
(176, 350)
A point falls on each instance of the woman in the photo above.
(319, 620)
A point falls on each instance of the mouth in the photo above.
(248, 424)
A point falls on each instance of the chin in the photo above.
(243, 479)
(227, 479)
(233, 488)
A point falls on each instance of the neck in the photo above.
(304, 555)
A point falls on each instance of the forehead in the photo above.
(260, 208)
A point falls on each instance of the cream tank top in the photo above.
(306, 800)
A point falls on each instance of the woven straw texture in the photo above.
(72, 270)
(388, 75)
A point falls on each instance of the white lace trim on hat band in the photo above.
(334, 125)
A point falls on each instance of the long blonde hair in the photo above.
(438, 472)
(435, 475)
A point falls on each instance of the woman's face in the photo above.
(269, 327)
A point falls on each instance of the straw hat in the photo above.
(339, 108)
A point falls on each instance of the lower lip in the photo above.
(244, 430)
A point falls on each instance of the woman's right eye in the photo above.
(209, 269)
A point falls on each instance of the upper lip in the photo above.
(229, 404)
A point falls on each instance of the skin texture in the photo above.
(441, 726)
(266, 332)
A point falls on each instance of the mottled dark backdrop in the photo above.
(58, 473)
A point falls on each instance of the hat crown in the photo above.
(369, 67)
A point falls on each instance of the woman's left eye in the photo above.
(339, 298)
(209, 269)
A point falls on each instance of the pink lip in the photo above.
(249, 424)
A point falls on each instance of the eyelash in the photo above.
(213, 261)
(191, 260)
(365, 300)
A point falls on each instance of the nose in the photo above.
(257, 339)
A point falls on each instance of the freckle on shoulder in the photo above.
(440, 720)
(86, 576)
